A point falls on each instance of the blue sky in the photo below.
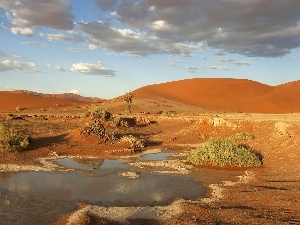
(105, 48)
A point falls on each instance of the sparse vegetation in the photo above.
(98, 129)
(102, 118)
(18, 109)
(12, 141)
(241, 137)
(128, 99)
(119, 122)
(226, 152)
(132, 141)
(97, 113)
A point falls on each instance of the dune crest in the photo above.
(9, 101)
(229, 95)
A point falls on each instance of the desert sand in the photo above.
(25, 100)
(183, 115)
(229, 95)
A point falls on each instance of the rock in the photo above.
(129, 174)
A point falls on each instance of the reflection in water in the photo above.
(5, 176)
(105, 188)
(80, 163)
(155, 156)
(41, 197)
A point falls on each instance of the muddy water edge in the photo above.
(41, 197)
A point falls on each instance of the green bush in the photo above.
(132, 141)
(99, 113)
(226, 152)
(12, 141)
(98, 129)
(119, 122)
(241, 137)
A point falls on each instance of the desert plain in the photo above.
(173, 117)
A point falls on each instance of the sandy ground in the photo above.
(267, 195)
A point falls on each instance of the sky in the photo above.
(105, 48)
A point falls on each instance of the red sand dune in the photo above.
(9, 101)
(230, 95)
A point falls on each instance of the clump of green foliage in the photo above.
(132, 141)
(98, 129)
(12, 141)
(241, 137)
(226, 152)
(102, 118)
(98, 113)
(119, 122)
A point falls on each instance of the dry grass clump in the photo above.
(132, 141)
(226, 152)
(12, 141)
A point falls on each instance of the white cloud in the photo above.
(47, 65)
(7, 65)
(234, 62)
(187, 49)
(173, 63)
(35, 44)
(60, 68)
(101, 35)
(216, 67)
(160, 25)
(74, 91)
(119, 40)
(67, 36)
(92, 69)
(192, 69)
(265, 28)
(57, 37)
(75, 49)
(4, 55)
(93, 47)
(54, 14)
(22, 31)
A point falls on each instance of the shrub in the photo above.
(128, 99)
(12, 141)
(132, 141)
(225, 152)
(99, 113)
(119, 122)
(98, 129)
(241, 137)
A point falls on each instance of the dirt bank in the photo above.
(271, 196)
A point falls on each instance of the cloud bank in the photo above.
(6, 65)
(54, 14)
(257, 28)
(265, 28)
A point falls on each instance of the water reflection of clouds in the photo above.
(157, 196)
(105, 187)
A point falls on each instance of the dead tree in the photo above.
(128, 99)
